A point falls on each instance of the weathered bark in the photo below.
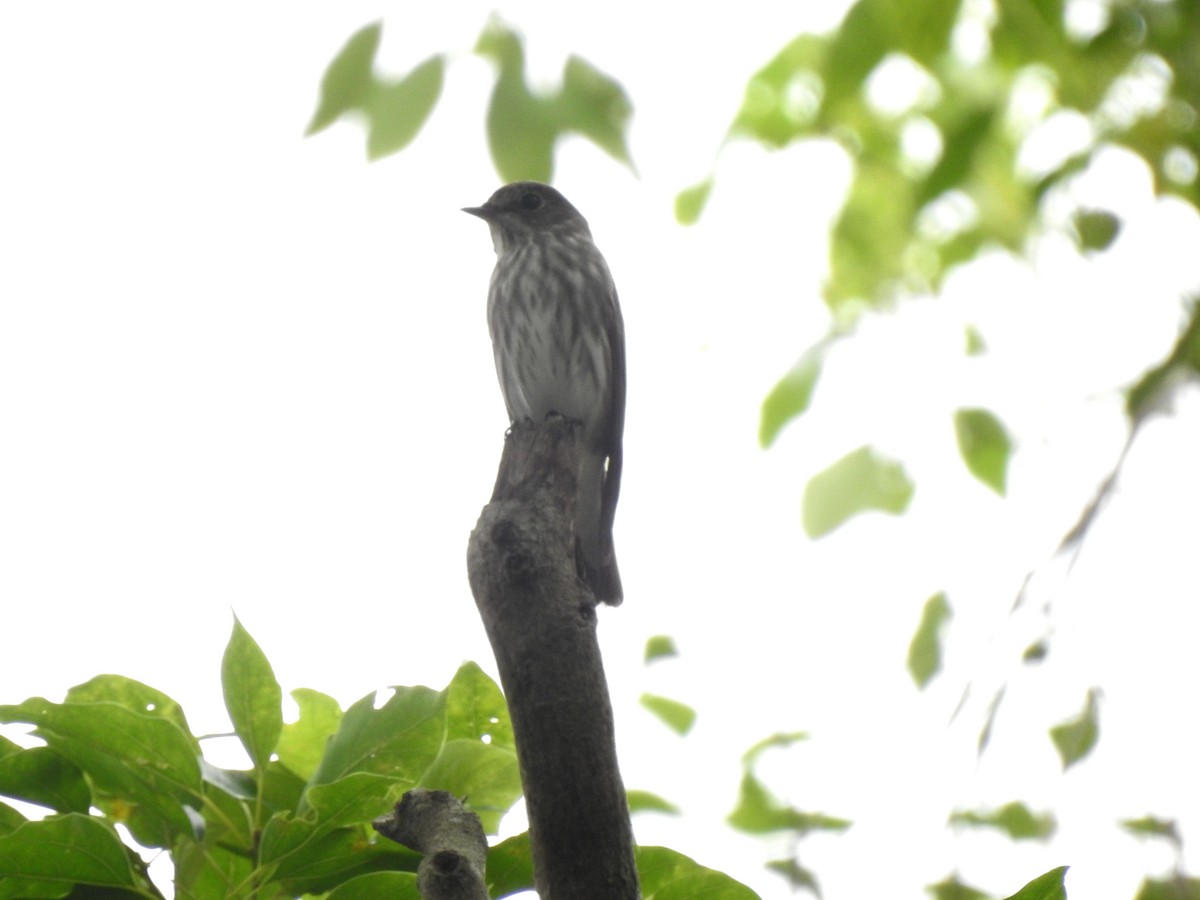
(541, 621)
(437, 825)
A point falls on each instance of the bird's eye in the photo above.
(530, 201)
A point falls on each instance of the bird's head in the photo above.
(525, 210)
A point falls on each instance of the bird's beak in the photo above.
(483, 212)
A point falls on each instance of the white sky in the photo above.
(244, 370)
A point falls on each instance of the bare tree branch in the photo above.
(541, 621)
(437, 825)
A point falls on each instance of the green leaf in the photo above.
(782, 98)
(760, 812)
(1096, 229)
(596, 106)
(690, 202)
(523, 127)
(984, 445)
(206, 869)
(660, 647)
(71, 848)
(399, 740)
(252, 696)
(953, 889)
(133, 695)
(667, 875)
(644, 801)
(781, 739)
(348, 79)
(1177, 888)
(510, 866)
(1152, 826)
(1045, 887)
(354, 800)
(791, 396)
(858, 482)
(1015, 819)
(798, 877)
(925, 651)
(1183, 362)
(1075, 738)
(378, 886)
(976, 346)
(679, 717)
(40, 775)
(144, 770)
(487, 775)
(10, 819)
(396, 111)
(476, 709)
(302, 743)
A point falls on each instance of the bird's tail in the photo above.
(594, 554)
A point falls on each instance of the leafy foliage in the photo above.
(925, 651)
(861, 480)
(523, 127)
(1014, 819)
(1075, 738)
(1044, 887)
(298, 821)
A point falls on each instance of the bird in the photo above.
(558, 339)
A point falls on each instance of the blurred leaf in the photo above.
(760, 812)
(252, 696)
(1075, 738)
(797, 876)
(660, 647)
(871, 235)
(644, 801)
(1035, 652)
(989, 721)
(595, 106)
(1178, 888)
(1096, 229)
(1151, 826)
(348, 79)
(510, 866)
(975, 343)
(1044, 887)
(780, 739)
(984, 445)
(1182, 363)
(523, 127)
(396, 110)
(690, 202)
(925, 651)
(1014, 819)
(782, 98)
(667, 875)
(963, 138)
(70, 848)
(860, 481)
(953, 889)
(679, 717)
(791, 396)
(302, 743)
(378, 886)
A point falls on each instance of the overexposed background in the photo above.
(241, 370)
